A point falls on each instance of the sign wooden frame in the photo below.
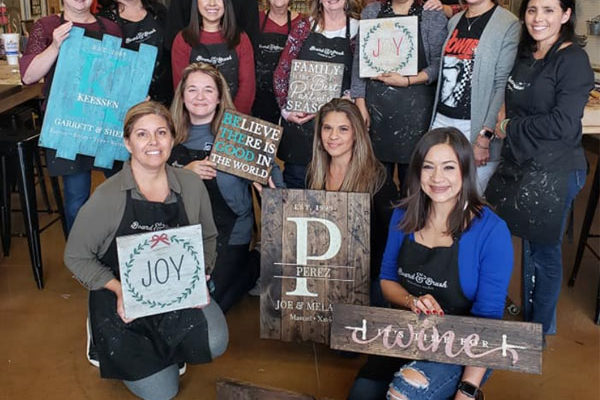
(388, 45)
(246, 146)
(179, 250)
(95, 83)
(233, 389)
(481, 342)
(303, 271)
(313, 84)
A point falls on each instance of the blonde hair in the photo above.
(353, 9)
(141, 110)
(181, 116)
(365, 173)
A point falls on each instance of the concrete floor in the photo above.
(42, 341)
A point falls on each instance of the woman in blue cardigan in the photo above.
(447, 253)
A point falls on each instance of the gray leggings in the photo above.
(164, 384)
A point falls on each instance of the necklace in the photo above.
(470, 24)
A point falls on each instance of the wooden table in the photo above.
(12, 91)
(14, 95)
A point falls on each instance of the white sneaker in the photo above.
(90, 349)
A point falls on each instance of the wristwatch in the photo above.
(470, 390)
(486, 133)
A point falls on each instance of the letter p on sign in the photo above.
(302, 257)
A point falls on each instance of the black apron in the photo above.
(423, 270)
(297, 140)
(529, 197)
(267, 49)
(399, 115)
(149, 344)
(149, 31)
(223, 58)
(82, 163)
(229, 257)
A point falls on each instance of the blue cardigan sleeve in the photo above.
(389, 263)
(494, 263)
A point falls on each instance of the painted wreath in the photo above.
(408, 56)
(138, 297)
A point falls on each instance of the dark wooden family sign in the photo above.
(246, 146)
(449, 339)
(162, 271)
(314, 253)
(312, 84)
(95, 83)
(388, 45)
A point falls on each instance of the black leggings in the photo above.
(236, 271)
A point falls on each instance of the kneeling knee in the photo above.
(410, 377)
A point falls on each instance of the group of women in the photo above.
(505, 118)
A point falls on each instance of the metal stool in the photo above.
(18, 152)
(590, 142)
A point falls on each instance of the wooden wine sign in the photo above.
(449, 339)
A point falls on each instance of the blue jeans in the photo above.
(442, 382)
(543, 269)
(77, 190)
(294, 176)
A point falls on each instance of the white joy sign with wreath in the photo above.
(162, 271)
(388, 45)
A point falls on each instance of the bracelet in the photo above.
(503, 125)
(480, 146)
(410, 300)
(408, 79)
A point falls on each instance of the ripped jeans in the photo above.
(441, 381)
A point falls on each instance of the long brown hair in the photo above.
(191, 34)
(365, 173)
(181, 116)
(353, 9)
(418, 204)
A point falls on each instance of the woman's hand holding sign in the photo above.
(299, 117)
(205, 168)
(393, 79)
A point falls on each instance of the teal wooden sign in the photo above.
(95, 83)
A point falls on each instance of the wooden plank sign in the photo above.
(246, 146)
(314, 253)
(232, 389)
(162, 271)
(449, 339)
(95, 83)
(388, 45)
(312, 84)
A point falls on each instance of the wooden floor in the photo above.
(42, 341)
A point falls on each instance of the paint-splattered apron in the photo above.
(148, 344)
(399, 115)
(223, 58)
(267, 49)
(297, 140)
